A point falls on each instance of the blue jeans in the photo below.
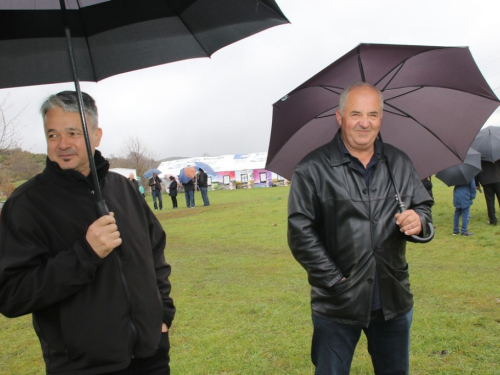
(464, 212)
(157, 194)
(189, 198)
(204, 195)
(333, 345)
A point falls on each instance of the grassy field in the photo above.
(243, 301)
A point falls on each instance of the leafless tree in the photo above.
(10, 130)
(138, 155)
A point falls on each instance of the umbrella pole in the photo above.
(101, 207)
(400, 203)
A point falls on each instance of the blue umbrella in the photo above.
(207, 168)
(149, 173)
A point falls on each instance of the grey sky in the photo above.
(223, 105)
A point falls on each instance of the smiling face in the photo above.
(361, 119)
(65, 140)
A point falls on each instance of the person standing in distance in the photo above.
(344, 229)
(203, 184)
(98, 287)
(155, 183)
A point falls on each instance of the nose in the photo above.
(364, 121)
(64, 142)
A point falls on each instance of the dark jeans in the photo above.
(189, 198)
(157, 194)
(490, 191)
(333, 345)
(174, 201)
(155, 365)
(204, 195)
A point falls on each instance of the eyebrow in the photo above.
(65, 129)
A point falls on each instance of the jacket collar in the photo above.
(71, 177)
(337, 155)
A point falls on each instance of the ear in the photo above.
(98, 136)
(338, 115)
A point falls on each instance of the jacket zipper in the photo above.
(127, 294)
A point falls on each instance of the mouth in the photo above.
(65, 157)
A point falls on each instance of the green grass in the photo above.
(243, 301)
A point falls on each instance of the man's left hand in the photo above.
(164, 328)
(409, 222)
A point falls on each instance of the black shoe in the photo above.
(467, 233)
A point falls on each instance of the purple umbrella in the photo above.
(435, 102)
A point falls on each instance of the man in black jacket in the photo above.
(97, 287)
(155, 184)
(489, 178)
(203, 184)
(344, 229)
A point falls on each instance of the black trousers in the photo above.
(174, 201)
(155, 365)
(490, 191)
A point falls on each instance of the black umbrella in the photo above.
(463, 173)
(435, 102)
(487, 142)
(108, 37)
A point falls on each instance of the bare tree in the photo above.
(138, 155)
(10, 131)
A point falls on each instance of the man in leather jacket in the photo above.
(344, 229)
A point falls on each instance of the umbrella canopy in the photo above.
(208, 169)
(149, 173)
(463, 173)
(117, 36)
(435, 102)
(487, 142)
(110, 37)
(187, 174)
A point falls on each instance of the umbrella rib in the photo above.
(422, 125)
(167, 3)
(360, 64)
(87, 41)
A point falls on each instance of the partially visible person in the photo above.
(172, 191)
(133, 181)
(427, 182)
(489, 179)
(155, 184)
(203, 184)
(463, 195)
(345, 230)
(189, 193)
(99, 296)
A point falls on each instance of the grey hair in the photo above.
(348, 89)
(68, 102)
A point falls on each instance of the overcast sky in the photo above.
(223, 105)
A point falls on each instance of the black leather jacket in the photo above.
(338, 228)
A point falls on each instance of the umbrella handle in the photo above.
(102, 209)
(424, 239)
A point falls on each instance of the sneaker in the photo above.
(490, 223)
(467, 233)
(455, 233)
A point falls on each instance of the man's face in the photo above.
(65, 140)
(361, 120)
